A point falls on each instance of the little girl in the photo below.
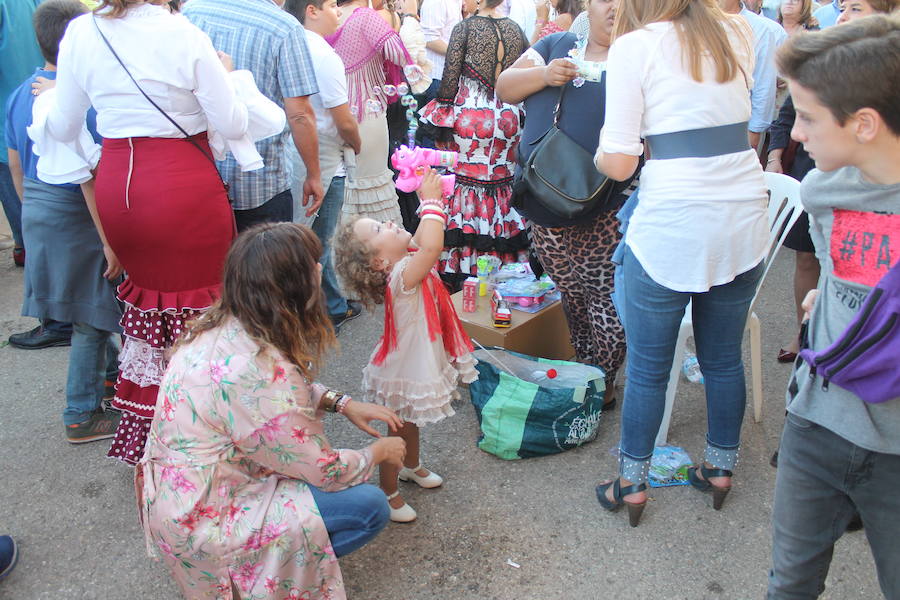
(424, 353)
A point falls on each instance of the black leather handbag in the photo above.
(561, 175)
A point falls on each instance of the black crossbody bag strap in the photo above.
(187, 136)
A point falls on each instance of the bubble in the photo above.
(413, 73)
(402, 88)
(410, 114)
(373, 106)
(413, 104)
(376, 90)
(404, 101)
(390, 90)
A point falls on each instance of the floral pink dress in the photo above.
(223, 486)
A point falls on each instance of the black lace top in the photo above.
(480, 47)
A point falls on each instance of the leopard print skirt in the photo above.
(578, 259)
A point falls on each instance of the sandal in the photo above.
(703, 484)
(635, 509)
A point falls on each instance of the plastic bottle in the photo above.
(691, 368)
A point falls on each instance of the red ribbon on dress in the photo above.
(440, 316)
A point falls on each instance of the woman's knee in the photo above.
(374, 505)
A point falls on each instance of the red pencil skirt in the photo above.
(166, 216)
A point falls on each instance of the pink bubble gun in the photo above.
(413, 162)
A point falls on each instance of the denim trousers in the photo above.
(652, 318)
(277, 209)
(324, 226)
(94, 358)
(12, 207)
(353, 517)
(823, 479)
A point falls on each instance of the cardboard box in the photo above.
(544, 333)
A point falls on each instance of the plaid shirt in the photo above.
(271, 44)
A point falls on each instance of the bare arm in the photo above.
(439, 46)
(15, 169)
(113, 266)
(524, 78)
(347, 126)
(429, 236)
(302, 120)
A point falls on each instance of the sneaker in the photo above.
(101, 426)
(38, 338)
(9, 553)
(109, 394)
(354, 309)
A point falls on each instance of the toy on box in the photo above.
(487, 267)
(525, 292)
(500, 314)
(412, 163)
(470, 295)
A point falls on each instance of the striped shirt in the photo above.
(271, 44)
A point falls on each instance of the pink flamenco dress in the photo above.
(467, 117)
(423, 355)
(375, 60)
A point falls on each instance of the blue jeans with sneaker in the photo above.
(652, 318)
(823, 480)
(324, 226)
(94, 358)
(12, 207)
(353, 517)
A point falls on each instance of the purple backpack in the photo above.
(865, 359)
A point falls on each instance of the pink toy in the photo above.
(412, 163)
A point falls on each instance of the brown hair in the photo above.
(884, 6)
(852, 66)
(805, 19)
(50, 21)
(271, 286)
(701, 28)
(354, 263)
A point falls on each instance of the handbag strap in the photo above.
(187, 136)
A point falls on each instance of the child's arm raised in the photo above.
(429, 236)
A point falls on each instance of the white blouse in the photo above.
(172, 60)
(699, 221)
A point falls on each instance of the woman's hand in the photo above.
(559, 72)
(809, 302)
(113, 266)
(226, 61)
(390, 450)
(362, 414)
(430, 189)
(543, 11)
(41, 85)
(773, 165)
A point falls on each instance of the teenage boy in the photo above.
(838, 452)
(336, 127)
(67, 259)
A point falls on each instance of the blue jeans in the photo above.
(324, 226)
(823, 479)
(353, 517)
(94, 357)
(653, 316)
(12, 207)
(277, 209)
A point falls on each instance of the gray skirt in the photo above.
(64, 260)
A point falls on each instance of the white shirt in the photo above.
(438, 18)
(524, 13)
(172, 60)
(332, 82)
(699, 221)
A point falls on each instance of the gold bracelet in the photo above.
(330, 399)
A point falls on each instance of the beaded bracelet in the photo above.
(341, 405)
(427, 203)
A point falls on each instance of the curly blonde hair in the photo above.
(354, 264)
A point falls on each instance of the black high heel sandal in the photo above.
(703, 484)
(635, 509)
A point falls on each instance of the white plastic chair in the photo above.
(784, 210)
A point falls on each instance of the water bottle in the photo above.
(691, 368)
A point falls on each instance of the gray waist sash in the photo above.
(699, 143)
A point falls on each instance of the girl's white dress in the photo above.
(418, 379)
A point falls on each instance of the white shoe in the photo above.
(432, 480)
(404, 514)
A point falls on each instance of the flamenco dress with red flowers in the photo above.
(467, 117)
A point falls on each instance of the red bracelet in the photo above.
(434, 211)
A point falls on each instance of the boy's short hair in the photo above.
(850, 66)
(884, 6)
(50, 21)
(298, 7)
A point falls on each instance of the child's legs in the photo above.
(388, 473)
(811, 508)
(87, 370)
(112, 359)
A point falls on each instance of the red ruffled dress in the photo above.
(167, 217)
(485, 132)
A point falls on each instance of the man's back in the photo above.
(19, 53)
(271, 44)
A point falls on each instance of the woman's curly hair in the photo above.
(354, 263)
(272, 287)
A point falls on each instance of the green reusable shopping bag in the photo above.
(523, 413)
